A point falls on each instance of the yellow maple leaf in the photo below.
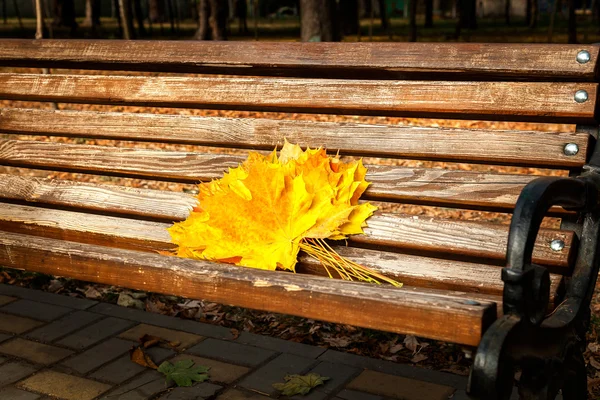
(262, 213)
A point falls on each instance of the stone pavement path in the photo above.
(54, 346)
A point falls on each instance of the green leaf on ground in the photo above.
(300, 384)
(183, 372)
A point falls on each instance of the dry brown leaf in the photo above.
(593, 347)
(411, 343)
(418, 358)
(138, 356)
(396, 348)
(594, 363)
(235, 333)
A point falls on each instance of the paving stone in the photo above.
(219, 371)
(185, 339)
(388, 367)
(94, 333)
(232, 352)
(45, 297)
(198, 328)
(13, 371)
(63, 326)
(274, 371)
(6, 299)
(348, 394)
(35, 310)
(13, 324)
(197, 392)
(338, 375)
(64, 386)
(143, 387)
(13, 393)
(122, 368)
(33, 351)
(98, 355)
(4, 337)
(398, 387)
(234, 394)
(280, 345)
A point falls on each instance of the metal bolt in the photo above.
(581, 96)
(557, 245)
(570, 149)
(583, 57)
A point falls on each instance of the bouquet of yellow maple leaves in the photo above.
(264, 212)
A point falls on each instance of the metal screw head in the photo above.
(570, 149)
(583, 57)
(557, 245)
(581, 96)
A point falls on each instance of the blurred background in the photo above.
(536, 21)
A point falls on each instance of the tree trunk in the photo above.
(203, 32)
(64, 14)
(310, 21)
(219, 13)
(555, 8)
(39, 20)
(126, 19)
(412, 24)
(139, 17)
(157, 10)
(428, 14)
(467, 15)
(241, 13)
(572, 22)
(383, 15)
(92, 14)
(507, 12)
(534, 13)
(4, 16)
(349, 17)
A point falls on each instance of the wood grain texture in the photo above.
(521, 101)
(340, 60)
(523, 148)
(441, 317)
(463, 189)
(454, 238)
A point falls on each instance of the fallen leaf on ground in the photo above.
(183, 372)
(138, 356)
(92, 293)
(594, 363)
(411, 343)
(396, 348)
(148, 341)
(338, 341)
(418, 358)
(235, 333)
(126, 300)
(300, 384)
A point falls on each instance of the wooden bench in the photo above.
(451, 268)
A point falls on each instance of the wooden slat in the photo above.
(439, 317)
(349, 60)
(389, 183)
(462, 239)
(526, 148)
(522, 101)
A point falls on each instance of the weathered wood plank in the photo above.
(526, 148)
(340, 60)
(522, 101)
(463, 189)
(439, 317)
(454, 238)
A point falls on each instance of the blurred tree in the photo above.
(64, 14)
(157, 10)
(241, 13)
(139, 17)
(467, 15)
(212, 16)
(531, 13)
(412, 23)
(507, 12)
(92, 14)
(572, 22)
(319, 21)
(428, 13)
(348, 11)
(125, 14)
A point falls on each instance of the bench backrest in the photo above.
(529, 83)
